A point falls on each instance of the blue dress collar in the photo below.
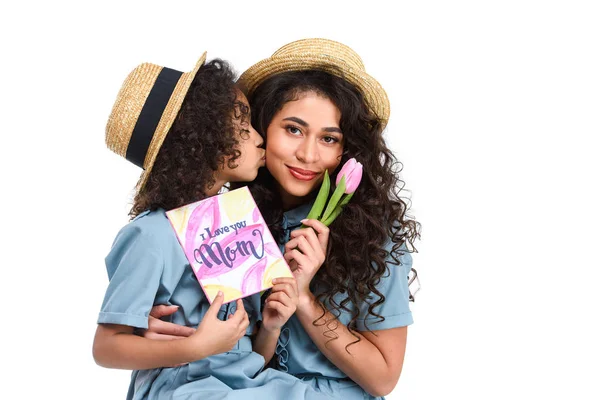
(292, 218)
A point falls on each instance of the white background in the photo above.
(495, 115)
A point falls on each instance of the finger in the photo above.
(241, 308)
(291, 245)
(162, 310)
(214, 308)
(300, 233)
(288, 281)
(239, 314)
(306, 249)
(310, 245)
(245, 319)
(169, 328)
(240, 304)
(286, 288)
(282, 298)
(159, 336)
(240, 320)
(295, 255)
(284, 279)
(278, 307)
(321, 229)
(245, 322)
(310, 236)
(318, 226)
(275, 297)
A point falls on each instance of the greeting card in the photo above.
(228, 245)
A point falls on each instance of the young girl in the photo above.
(191, 133)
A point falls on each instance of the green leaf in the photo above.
(333, 216)
(346, 199)
(335, 198)
(338, 209)
(317, 208)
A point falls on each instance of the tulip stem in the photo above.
(335, 198)
(319, 205)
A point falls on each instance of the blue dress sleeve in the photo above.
(394, 286)
(135, 265)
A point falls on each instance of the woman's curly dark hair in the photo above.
(376, 213)
(203, 135)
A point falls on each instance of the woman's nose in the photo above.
(308, 151)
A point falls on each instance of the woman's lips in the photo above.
(303, 174)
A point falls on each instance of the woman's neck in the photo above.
(289, 201)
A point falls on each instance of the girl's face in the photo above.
(303, 141)
(252, 155)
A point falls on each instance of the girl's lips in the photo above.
(303, 174)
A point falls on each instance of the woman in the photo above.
(316, 107)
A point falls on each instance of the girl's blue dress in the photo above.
(147, 267)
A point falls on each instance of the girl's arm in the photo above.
(375, 362)
(115, 346)
(266, 342)
(280, 305)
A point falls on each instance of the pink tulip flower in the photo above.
(353, 172)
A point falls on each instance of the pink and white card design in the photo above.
(228, 245)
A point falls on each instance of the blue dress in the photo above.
(146, 267)
(298, 355)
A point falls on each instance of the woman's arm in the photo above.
(162, 330)
(375, 362)
(115, 346)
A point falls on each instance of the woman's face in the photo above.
(303, 141)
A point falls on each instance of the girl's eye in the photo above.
(293, 130)
(245, 134)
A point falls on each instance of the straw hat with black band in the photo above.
(322, 54)
(144, 111)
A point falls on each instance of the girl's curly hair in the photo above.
(203, 135)
(356, 259)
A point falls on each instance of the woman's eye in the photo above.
(330, 139)
(293, 130)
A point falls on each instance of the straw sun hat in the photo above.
(322, 54)
(144, 111)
